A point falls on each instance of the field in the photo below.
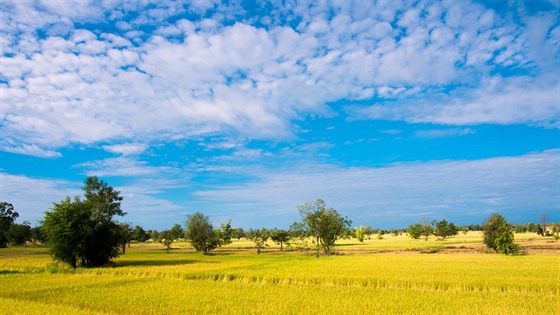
(394, 275)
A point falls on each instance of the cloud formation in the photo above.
(146, 71)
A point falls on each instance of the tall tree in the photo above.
(280, 237)
(19, 234)
(85, 231)
(176, 231)
(498, 235)
(415, 231)
(200, 233)
(225, 233)
(324, 223)
(7, 218)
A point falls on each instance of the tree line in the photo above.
(83, 231)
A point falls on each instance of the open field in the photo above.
(394, 275)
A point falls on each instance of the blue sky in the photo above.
(244, 110)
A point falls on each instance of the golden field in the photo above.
(393, 275)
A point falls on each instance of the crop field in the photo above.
(360, 280)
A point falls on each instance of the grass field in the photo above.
(237, 281)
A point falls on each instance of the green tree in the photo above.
(442, 229)
(139, 235)
(260, 238)
(415, 231)
(7, 218)
(280, 237)
(176, 231)
(125, 233)
(85, 230)
(200, 233)
(225, 233)
(19, 234)
(38, 235)
(167, 238)
(360, 233)
(498, 234)
(325, 224)
(543, 218)
(427, 228)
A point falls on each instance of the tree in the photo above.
(442, 229)
(324, 223)
(139, 235)
(359, 232)
(498, 235)
(19, 234)
(7, 218)
(200, 233)
(415, 231)
(125, 233)
(260, 238)
(427, 228)
(167, 239)
(85, 230)
(176, 231)
(38, 235)
(280, 237)
(225, 233)
(543, 218)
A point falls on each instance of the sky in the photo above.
(244, 110)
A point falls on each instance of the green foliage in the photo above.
(167, 239)
(125, 235)
(139, 235)
(259, 237)
(324, 223)
(427, 228)
(19, 234)
(280, 237)
(225, 233)
(84, 231)
(176, 231)
(7, 218)
(503, 242)
(415, 231)
(200, 233)
(444, 229)
(360, 232)
(498, 235)
(38, 235)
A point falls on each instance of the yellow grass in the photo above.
(148, 281)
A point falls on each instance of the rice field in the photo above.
(146, 280)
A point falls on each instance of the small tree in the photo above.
(260, 238)
(415, 231)
(19, 234)
(200, 233)
(427, 228)
(176, 231)
(225, 233)
(167, 239)
(324, 223)
(125, 232)
(543, 218)
(360, 232)
(498, 235)
(139, 235)
(442, 229)
(280, 237)
(7, 218)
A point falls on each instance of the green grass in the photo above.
(147, 280)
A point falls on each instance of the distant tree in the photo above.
(380, 235)
(19, 234)
(167, 239)
(225, 233)
(38, 235)
(415, 231)
(176, 231)
(280, 237)
(298, 235)
(543, 219)
(260, 238)
(139, 235)
(531, 227)
(125, 232)
(540, 230)
(498, 235)
(427, 228)
(556, 231)
(442, 229)
(85, 230)
(324, 223)
(238, 233)
(155, 235)
(360, 233)
(200, 233)
(7, 218)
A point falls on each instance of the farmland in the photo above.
(394, 275)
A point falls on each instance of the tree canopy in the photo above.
(200, 232)
(7, 218)
(324, 223)
(498, 235)
(83, 232)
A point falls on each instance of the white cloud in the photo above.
(444, 133)
(126, 148)
(178, 80)
(121, 166)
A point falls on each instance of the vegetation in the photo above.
(498, 235)
(84, 232)
(280, 237)
(324, 223)
(200, 233)
(408, 283)
(415, 231)
(7, 218)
